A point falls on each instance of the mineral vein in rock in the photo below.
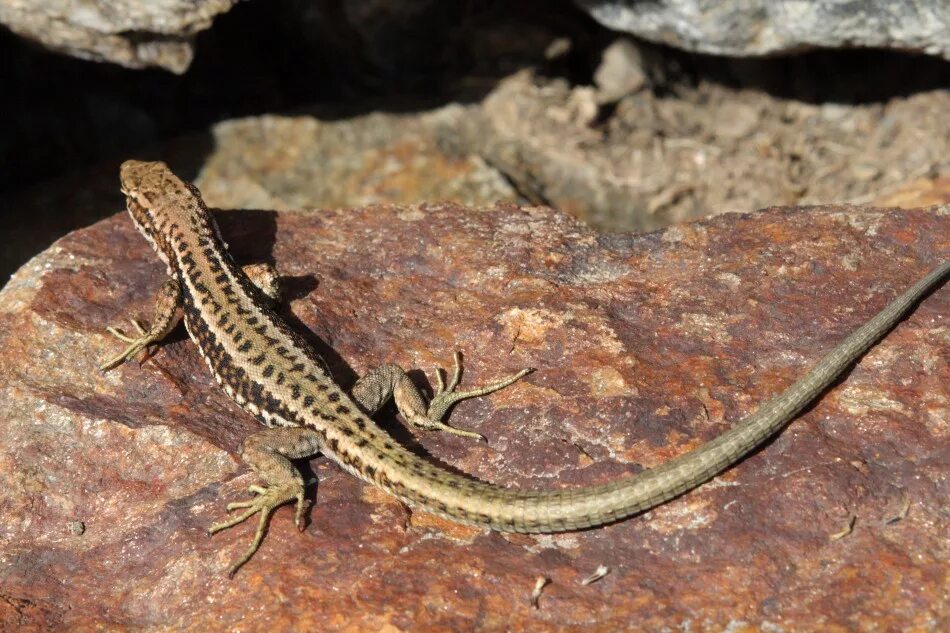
(272, 372)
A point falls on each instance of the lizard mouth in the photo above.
(144, 222)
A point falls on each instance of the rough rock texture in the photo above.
(755, 27)
(290, 162)
(127, 32)
(921, 192)
(656, 159)
(645, 346)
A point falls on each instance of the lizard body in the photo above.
(274, 374)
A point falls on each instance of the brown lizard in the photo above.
(271, 372)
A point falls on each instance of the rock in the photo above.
(646, 346)
(291, 162)
(657, 160)
(130, 33)
(919, 192)
(758, 27)
(620, 71)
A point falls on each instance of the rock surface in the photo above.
(645, 346)
(656, 160)
(291, 162)
(757, 27)
(128, 32)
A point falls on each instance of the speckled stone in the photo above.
(645, 346)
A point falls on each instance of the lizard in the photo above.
(271, 372)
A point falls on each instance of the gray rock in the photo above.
(756, 27)
(655, 161)
(131, 33)
(620, 71)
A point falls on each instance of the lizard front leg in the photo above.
(167, 313)
(374, 389)
(268, 453)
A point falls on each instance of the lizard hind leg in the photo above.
(269, 453)
(374, 389)
(266, 279)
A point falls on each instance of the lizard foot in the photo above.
(267, 500)
(136, 345)
(445, 396)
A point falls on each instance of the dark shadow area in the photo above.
(61, 112)
(250, 234)
(297, 286)
(857, 76)
(34, 216)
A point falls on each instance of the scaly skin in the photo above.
(271, 372)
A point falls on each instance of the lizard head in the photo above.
(160, 203)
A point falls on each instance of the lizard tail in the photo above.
(571, 509)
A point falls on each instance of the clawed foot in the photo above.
(267, 500)
(445, 396)
(136, 345)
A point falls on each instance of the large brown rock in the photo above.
(646, 346)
